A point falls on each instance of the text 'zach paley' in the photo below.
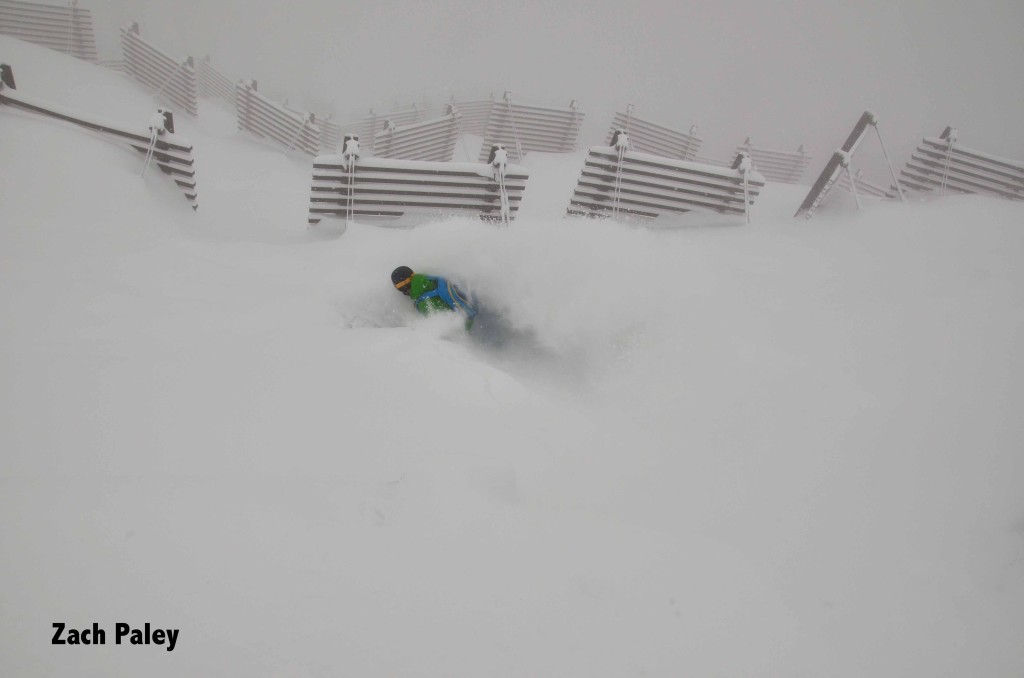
(124, 634)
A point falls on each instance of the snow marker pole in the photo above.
(574, 107)
(745, 166)
(295, 137)
(515, 132)
(689, 144)
(170, 77)
(498, 166)
(746, 197)
(949, 154)
(506, 211)
(351, 188)
(853, 185)
(460, 129)
(349, 155)
(621, 145)
(149, 154)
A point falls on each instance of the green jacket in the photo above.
(420, 284)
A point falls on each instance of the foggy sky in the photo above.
(784, 73)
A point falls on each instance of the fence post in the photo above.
(157, 127)
(949, 134)
(7, 76)
(512, 118)
(844, 161)
(243, 117)
(743, 164)
(388, 139)
(575, 108)
(798, 169)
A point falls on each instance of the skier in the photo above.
(430, 294)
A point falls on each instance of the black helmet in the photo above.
(401, 278)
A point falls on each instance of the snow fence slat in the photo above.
(400, 187)
(654, 185)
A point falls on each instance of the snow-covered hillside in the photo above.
(785, 449)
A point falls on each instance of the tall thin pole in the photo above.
(949, 154)
(853, 185)
(892, 171)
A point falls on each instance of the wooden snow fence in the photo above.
(364, 129)
(429, 140)
(385, 189)
(840, 163)
(330, 132)
(865, 187)
(941, 163)
(400, 115)
(213, 84)
(170, 152)
(651, 186)
(64, 28)
(649, 137)
(270, 120)
(716, 162)
(114, 65)
(781, 166)
(521, 129)
(175, 80)
(474, 115)
(367, 127)
(330, 135)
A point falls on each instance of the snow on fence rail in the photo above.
(940, 163)
(716, 162)
(386, 189)
(211, 83)
(147, 64)
(644, 185)
(171, 153)
(649, 137)
(429, 140)
(781, 166)
(521, 129)
(65, 28)
(265, 118)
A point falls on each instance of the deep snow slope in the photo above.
(790, 448)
